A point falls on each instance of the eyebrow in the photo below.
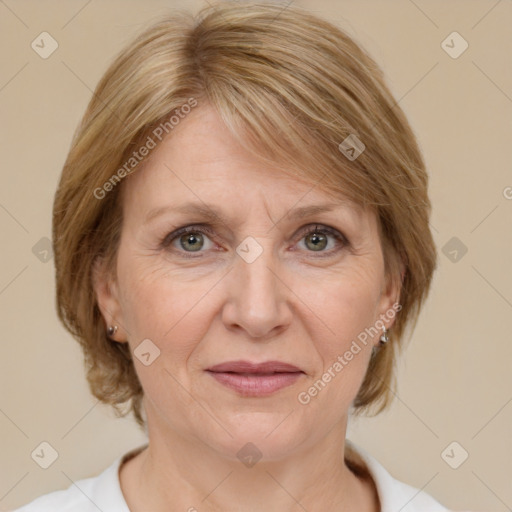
(213, 214)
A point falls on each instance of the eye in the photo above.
(189, 239)
(195, 238)
(317, 239)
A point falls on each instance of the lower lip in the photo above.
(256, 385)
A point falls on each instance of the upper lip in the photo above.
(249, 367)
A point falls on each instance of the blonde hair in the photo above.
(291, 87)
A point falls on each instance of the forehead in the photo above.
(200, 163)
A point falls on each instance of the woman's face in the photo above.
(253, 283)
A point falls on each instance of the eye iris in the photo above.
(318, 240)
(192, 238)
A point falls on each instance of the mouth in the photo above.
(255, 379)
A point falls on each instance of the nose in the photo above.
(257, 297)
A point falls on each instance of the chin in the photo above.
(259, 435)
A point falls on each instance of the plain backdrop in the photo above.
(455, 381)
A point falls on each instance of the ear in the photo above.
(390, 294)
(107, 295)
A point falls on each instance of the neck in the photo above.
(177, 473)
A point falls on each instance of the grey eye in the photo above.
(316, 241)
(191, 242)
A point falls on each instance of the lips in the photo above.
(246, 367)
(255, 379)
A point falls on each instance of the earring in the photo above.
(384, 337)
(112, 330)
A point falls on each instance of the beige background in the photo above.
(455, 383)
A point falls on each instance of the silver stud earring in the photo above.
(384, 337)
(112, 330)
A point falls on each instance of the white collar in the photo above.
(395, 495)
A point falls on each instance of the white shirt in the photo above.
(103, 492)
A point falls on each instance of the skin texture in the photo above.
(290, 304)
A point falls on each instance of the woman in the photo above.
(241, 239)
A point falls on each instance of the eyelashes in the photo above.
(319, 233)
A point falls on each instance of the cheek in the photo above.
(172, 315)
(347, 303)
(171, 309)
(345, 307)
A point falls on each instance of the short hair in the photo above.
(291, 88)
